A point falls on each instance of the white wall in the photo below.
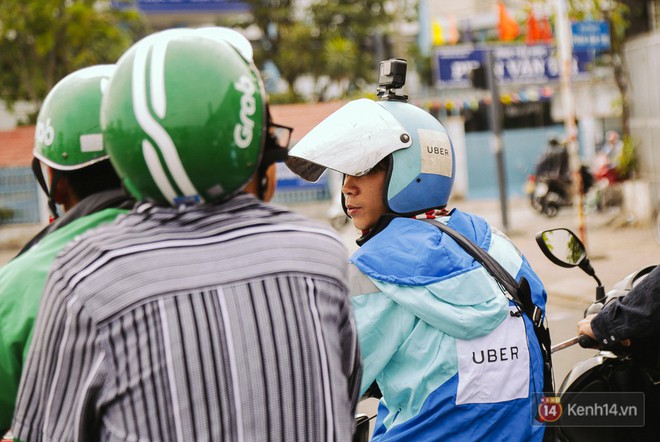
(642, 56)
(10, 119)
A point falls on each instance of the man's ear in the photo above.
(59, 188)
(63, 194)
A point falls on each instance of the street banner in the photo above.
(591, 34)
(513, 64)
(183, 5)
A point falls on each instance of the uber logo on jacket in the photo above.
(495, 355)
(495, 367)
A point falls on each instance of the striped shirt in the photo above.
(217, 323)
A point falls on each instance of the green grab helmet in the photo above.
(185, 117)
(68, 132)
(359, 135)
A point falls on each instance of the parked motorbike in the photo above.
(616, 370)
(548, 194)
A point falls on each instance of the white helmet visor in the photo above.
(351, 140)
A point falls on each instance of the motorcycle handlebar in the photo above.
(586, 341)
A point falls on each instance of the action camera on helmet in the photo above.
(391, 76)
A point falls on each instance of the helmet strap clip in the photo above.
(38, 174)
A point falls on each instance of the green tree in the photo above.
(41, 41)
(281, 35)
(297, 54)
(423, 64)
(354, 35)
(336, 40)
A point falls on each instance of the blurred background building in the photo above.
(313, 52)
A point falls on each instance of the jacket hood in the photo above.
(410, 252)
(430, 275)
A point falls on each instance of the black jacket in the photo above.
(636, 315)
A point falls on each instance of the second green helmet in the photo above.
(184, 118)
(68, 133)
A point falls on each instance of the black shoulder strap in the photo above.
(520, 293)
(488, 262)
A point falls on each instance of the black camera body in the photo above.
(391, 76)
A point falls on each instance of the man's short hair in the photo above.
(92, 179)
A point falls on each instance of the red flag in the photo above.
(507, 26)
(533, 31)
(545, 30)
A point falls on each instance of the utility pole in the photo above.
(497, 144)
(565, 49)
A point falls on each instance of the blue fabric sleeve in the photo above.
(486, 309)
(382, 327)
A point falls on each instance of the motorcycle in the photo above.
(548, 195)
(615, 376)
(548, 192)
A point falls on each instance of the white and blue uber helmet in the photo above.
(359, 135)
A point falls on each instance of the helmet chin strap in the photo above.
(39, 175)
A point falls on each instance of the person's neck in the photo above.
(69, 201)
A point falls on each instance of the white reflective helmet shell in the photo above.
(345, 141)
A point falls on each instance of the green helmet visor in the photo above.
(345, 141)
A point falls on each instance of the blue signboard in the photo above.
(184, 5)
(454, 64)
(591, 34)
(512, 64)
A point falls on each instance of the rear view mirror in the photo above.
(562, 247)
